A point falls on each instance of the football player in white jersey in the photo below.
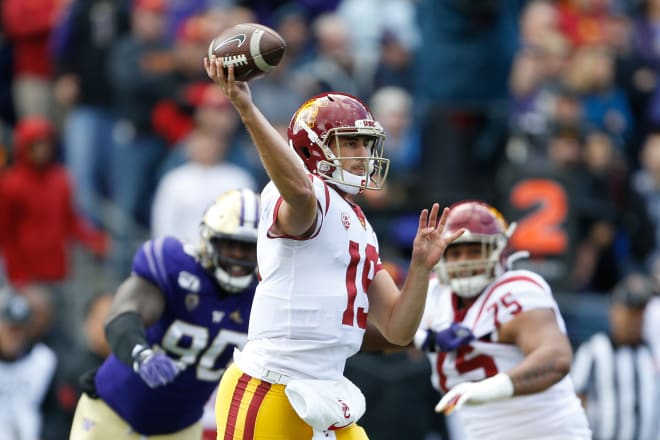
(320, 272)
(495, 338)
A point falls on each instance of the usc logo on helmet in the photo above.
(309, 111)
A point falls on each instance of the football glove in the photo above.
(448, 339)
(498, 387)
(154, 366)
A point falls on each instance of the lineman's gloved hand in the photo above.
(448, 339)
(498, 387)
(154, 366)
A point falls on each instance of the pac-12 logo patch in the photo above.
(345, 220)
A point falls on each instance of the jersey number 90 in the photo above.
(199, 351)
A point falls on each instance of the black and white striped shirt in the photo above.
(622, 388)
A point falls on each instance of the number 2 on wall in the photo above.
(541, 232)
(371, 258)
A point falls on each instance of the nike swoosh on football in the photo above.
(240, 38)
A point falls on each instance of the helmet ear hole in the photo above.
(306, 152)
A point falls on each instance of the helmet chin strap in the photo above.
(347, 182)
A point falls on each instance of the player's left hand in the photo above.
(430, 242)
(155, 367)
(498, 387)
(449, 339)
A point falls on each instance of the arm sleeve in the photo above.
(124, 332)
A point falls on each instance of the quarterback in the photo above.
(321, 272)
(496, 339)
(173, 326)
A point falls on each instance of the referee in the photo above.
(614, 373)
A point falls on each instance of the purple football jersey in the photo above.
(200, 327)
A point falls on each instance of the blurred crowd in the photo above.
(111, 133)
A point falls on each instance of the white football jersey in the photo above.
(310, 309)
(553, 413)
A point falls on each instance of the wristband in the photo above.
(497, 387)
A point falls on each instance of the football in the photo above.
(253, 49)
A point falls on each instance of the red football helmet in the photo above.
(331, 115)
(484, 225)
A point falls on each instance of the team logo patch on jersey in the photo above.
(236, 317)
(188, 281)
(191, 301)
(88, 424)
(217, 315)
(345, 220)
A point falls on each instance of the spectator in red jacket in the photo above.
(27, 25)
(37, 216)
